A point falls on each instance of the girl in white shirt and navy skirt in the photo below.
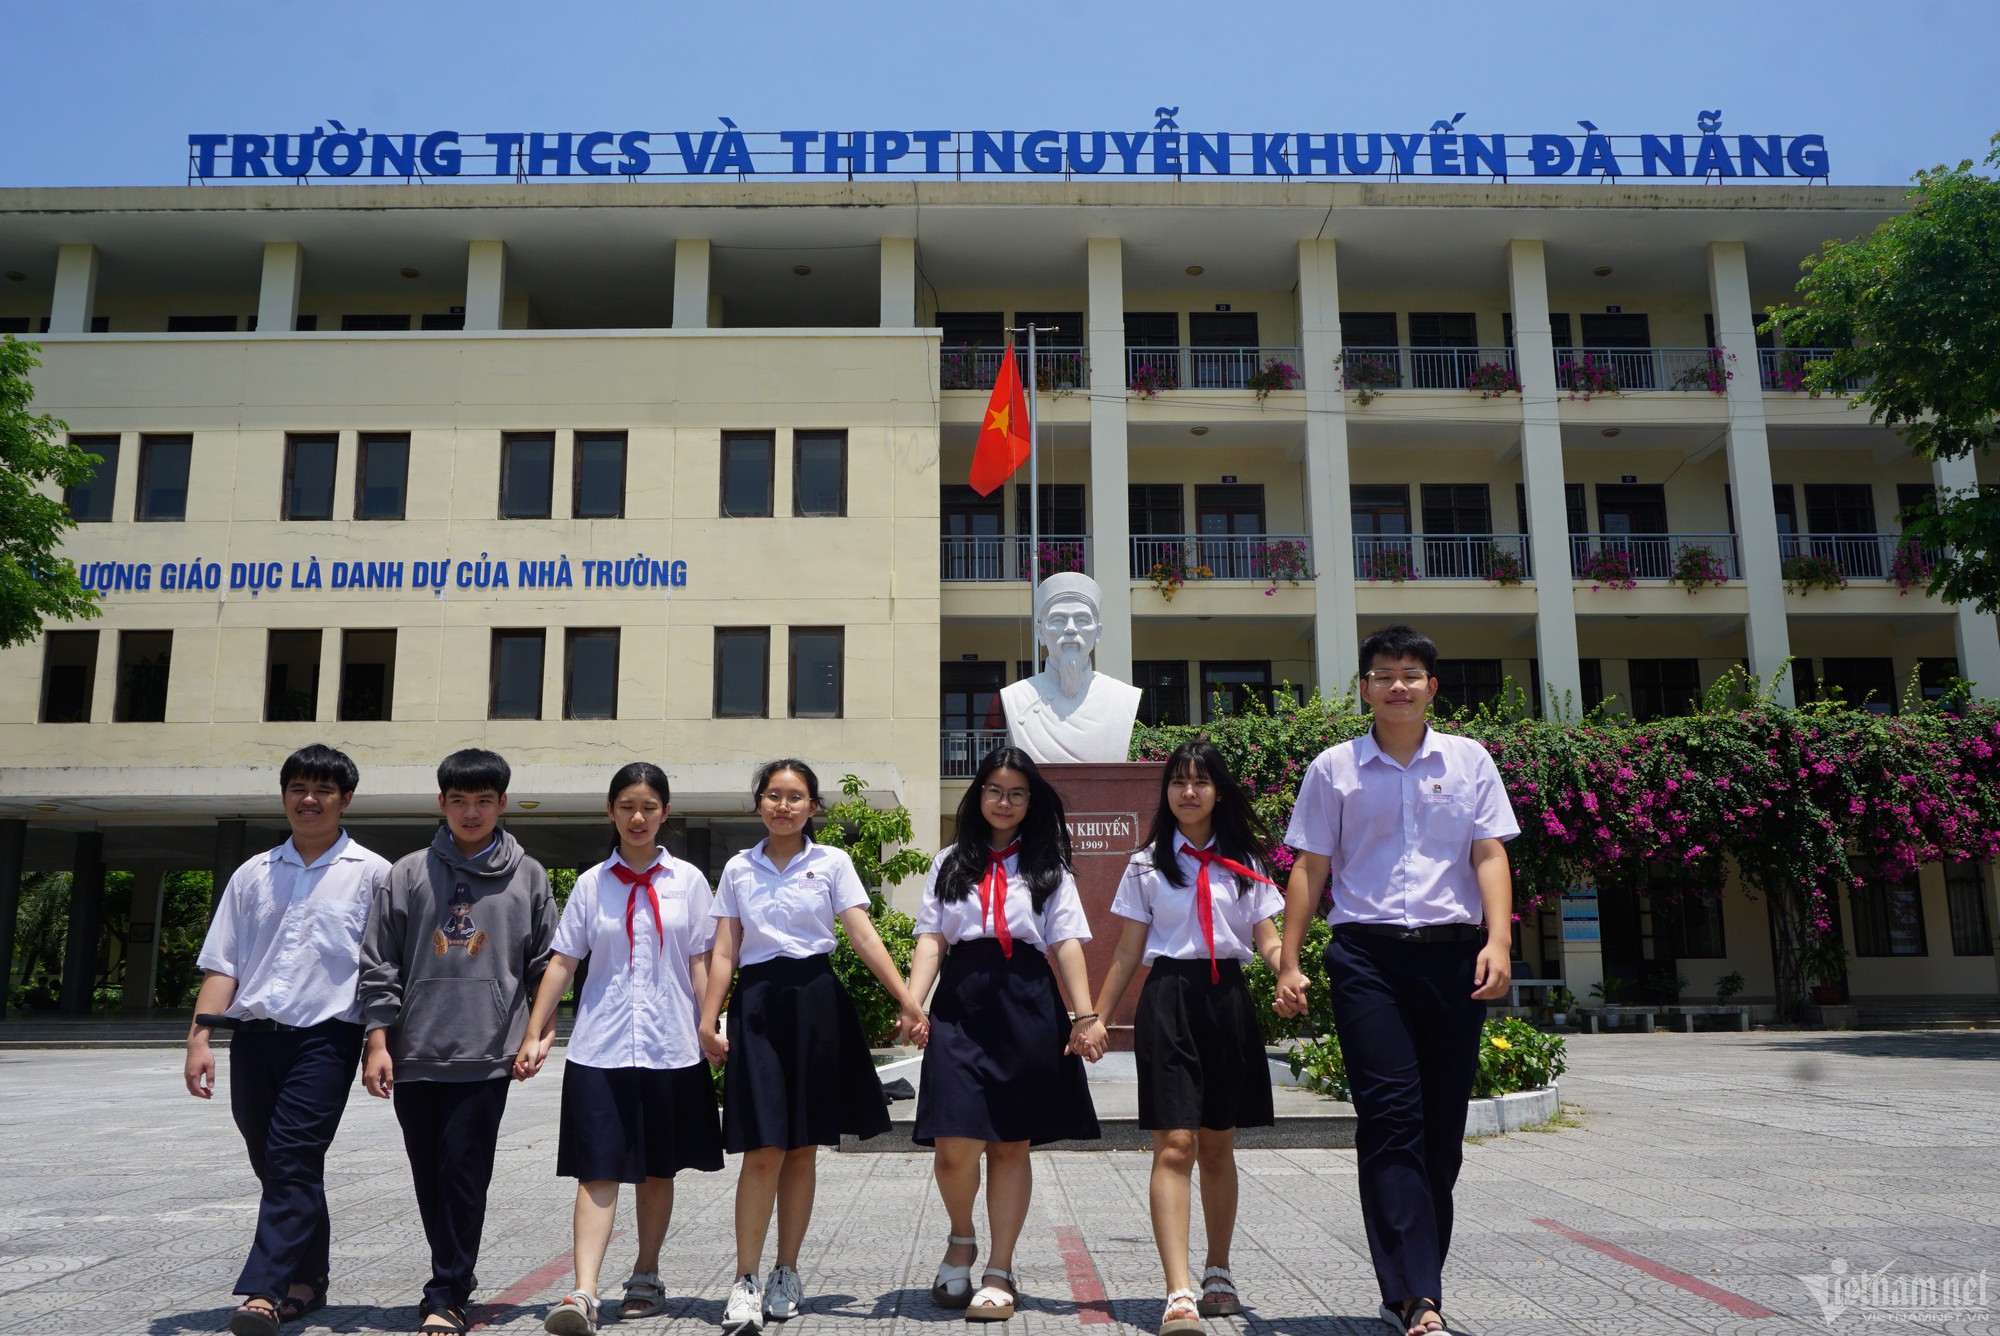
(1196, 901)
(1001, 1070)
(638, 1105)
(799, 1073)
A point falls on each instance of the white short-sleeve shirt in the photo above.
(1062, 917)
(289, 933)
(788, 911)
(638, 1007)
(1173, 919)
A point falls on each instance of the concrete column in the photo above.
(486, 286)
(86, 924)
(1976, 633)
(552, 674)
(142, 942)
(691, 283)
(899, 283)
(278, 295)
(1542, 476)
(327, 705)
(13, 852)
(1329, 496)
(1765, 630)
(76, 290)
(1110, 494)
(231, 838)
(104, 682)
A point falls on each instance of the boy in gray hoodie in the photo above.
(455, 947)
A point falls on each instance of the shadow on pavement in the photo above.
(1978, 1045)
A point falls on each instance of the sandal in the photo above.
(953, 1286)
(1415, 1312)
(291, 1308)
(255, 1316)
(1187, 1304)
(993, 1304)
(576, 1315)
(1218, 1294)
(645, 1296)
(451, 1313)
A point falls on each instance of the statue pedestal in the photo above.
(1110, 808)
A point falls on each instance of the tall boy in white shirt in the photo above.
(280, 963)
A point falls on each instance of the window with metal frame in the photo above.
(527, 475)
(515, 674)
(311, 461)
(749, 461)
(742, 672)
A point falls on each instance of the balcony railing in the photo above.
(1784, 369)
(1264, 556)
(1418, 368)
(972, 367)
(1005, 556)
(964, 748)
(1464, 556)
(1857, 556)
(1647, 556)
(1150, 370)
(1631, 369)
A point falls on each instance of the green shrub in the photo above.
(878, 1010)
(1513, 1055)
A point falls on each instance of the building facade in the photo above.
(588, 472)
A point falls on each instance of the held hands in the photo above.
(1087, 1038)
(199, 1071)
(534, 1052)
(1291, 996)
(714, 1044)
(1493, 973)
(912, 1026)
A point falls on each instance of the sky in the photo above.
(107, 91)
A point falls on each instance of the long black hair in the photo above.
(1239, 835)
(638, 772)
(1044, 854)
(769, 771)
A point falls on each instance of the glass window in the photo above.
(599, 489)
(201, 324)
(310, 461)
(1457, 508)
(590, 674)
(971, 329)
(1864, 684)
(90, 502)
(291, 676)
(1380, 509)
(1840, 507)
(1663, 686)
(1228, 685)
(1368, 329)
(382, 475)
(1163, 688)
(819, 473)
(367, 322)
(69, 676)
(516, 675)
(817, 671)
(163, 477)
(742, 672)
(747, 478)
(527, 475)
(1590, 674)
(1965, 896)
(1465, 684)
(1152, 329)
(1888, 918)
(1062, 512)
(1155, 508)
(145, 659)
(1695, 924)
(444, 320)
(367, 675)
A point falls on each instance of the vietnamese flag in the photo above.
(1003, 435)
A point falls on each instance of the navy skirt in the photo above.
(799, 1070)
(995, 1069)
(629, 1124)
(1198, 1049)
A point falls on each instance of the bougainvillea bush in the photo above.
(1790, 800)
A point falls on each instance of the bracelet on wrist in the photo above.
(1086, 1016)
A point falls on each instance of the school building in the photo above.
(608, 469)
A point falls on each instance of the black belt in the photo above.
(1433, 932)
(216, 1022)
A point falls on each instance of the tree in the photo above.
(862, 830)
(35, 583)
(1912, 310)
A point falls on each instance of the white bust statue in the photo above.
(1069, 711)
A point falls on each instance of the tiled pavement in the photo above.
(1710, 1174)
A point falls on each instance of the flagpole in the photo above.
(1034, 502)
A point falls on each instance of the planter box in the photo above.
(1511, 1113)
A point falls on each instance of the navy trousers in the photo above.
(287, 1090)
(1409, 1031)
(450, 1129)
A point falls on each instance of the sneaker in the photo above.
(745, 1307)
(785, 1295)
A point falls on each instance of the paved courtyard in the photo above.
(1710, 1175)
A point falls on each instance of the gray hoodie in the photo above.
(453, 951)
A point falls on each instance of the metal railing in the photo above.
(1464, 556)
(1646, 556)
(1603, 370)
(962, 749)
(1784, 369)
(1857, 556)
(1418, 368)
(1266, 556)
(1149, 370)
(1005, 556)
(969, 366)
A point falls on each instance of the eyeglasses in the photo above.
(1012, 797)
(785, 799)
(1415, 677)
